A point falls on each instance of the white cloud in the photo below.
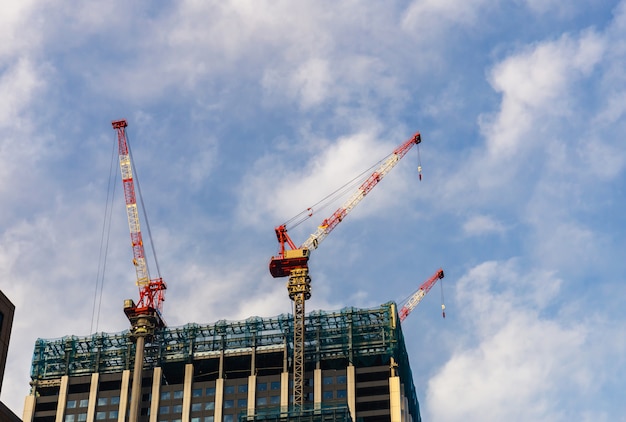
(482, 224)
(516, 360)
(432, 15)
(535, 85)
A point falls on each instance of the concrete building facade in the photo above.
(7, 310)
(356, 369)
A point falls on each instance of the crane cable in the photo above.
(104, 245)
(342, 190)
(443, 305)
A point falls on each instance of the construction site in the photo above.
(345, 365)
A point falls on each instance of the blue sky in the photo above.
(242, 114)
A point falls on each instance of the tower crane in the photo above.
(417, 297)
(292, 261)
(145, 315)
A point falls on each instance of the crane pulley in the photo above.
(417, 297)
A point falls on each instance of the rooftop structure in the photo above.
(356, 369)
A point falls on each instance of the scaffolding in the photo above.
(360, 336)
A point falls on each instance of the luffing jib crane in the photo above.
(292, 261)
(417, 297)
(145, 315)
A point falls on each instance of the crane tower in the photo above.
(292, 261)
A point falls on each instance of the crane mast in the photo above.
(144, 316)
(417, 297)
(292, 261)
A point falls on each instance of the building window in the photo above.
(275, 385)
(196, 407)
(229, 389)
(341, 394)
(100, 416)
(210, 391)
(196, 392)
(178, 394)
(82, 417)
(195, 419)
(229, 418)
(229, 404)
(275, 400)
(71, 404)
(177, 409)
(242, 403)
(165, 395)
(261, 401)
(328, 380)
(83, 403)
(113, 414)
(209, 405)
(115, 400)
(328, 395)
(208, 419)
(69, 418)
(262, 386)
(341, 379)
(243, 388)
(102, 401)
(164, 410)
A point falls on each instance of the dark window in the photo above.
(243, 388)
(275, 385)
(229, 389)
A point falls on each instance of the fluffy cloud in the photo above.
(514, 365)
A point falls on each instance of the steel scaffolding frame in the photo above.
(354, 334)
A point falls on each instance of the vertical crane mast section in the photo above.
(417, 297)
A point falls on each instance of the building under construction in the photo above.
(356, 369)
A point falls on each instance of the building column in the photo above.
(187, 392)
(351, 379)
(284, 382)
(251, 395)
(62, 402)
(284, 392)
(395, 398)
(121, 411)
(155, 397)
(219, 400)
(93, 397)
(29, 408)
(317, 388)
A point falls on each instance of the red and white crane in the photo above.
(145, 315)
(417, 297)
(292, 260)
